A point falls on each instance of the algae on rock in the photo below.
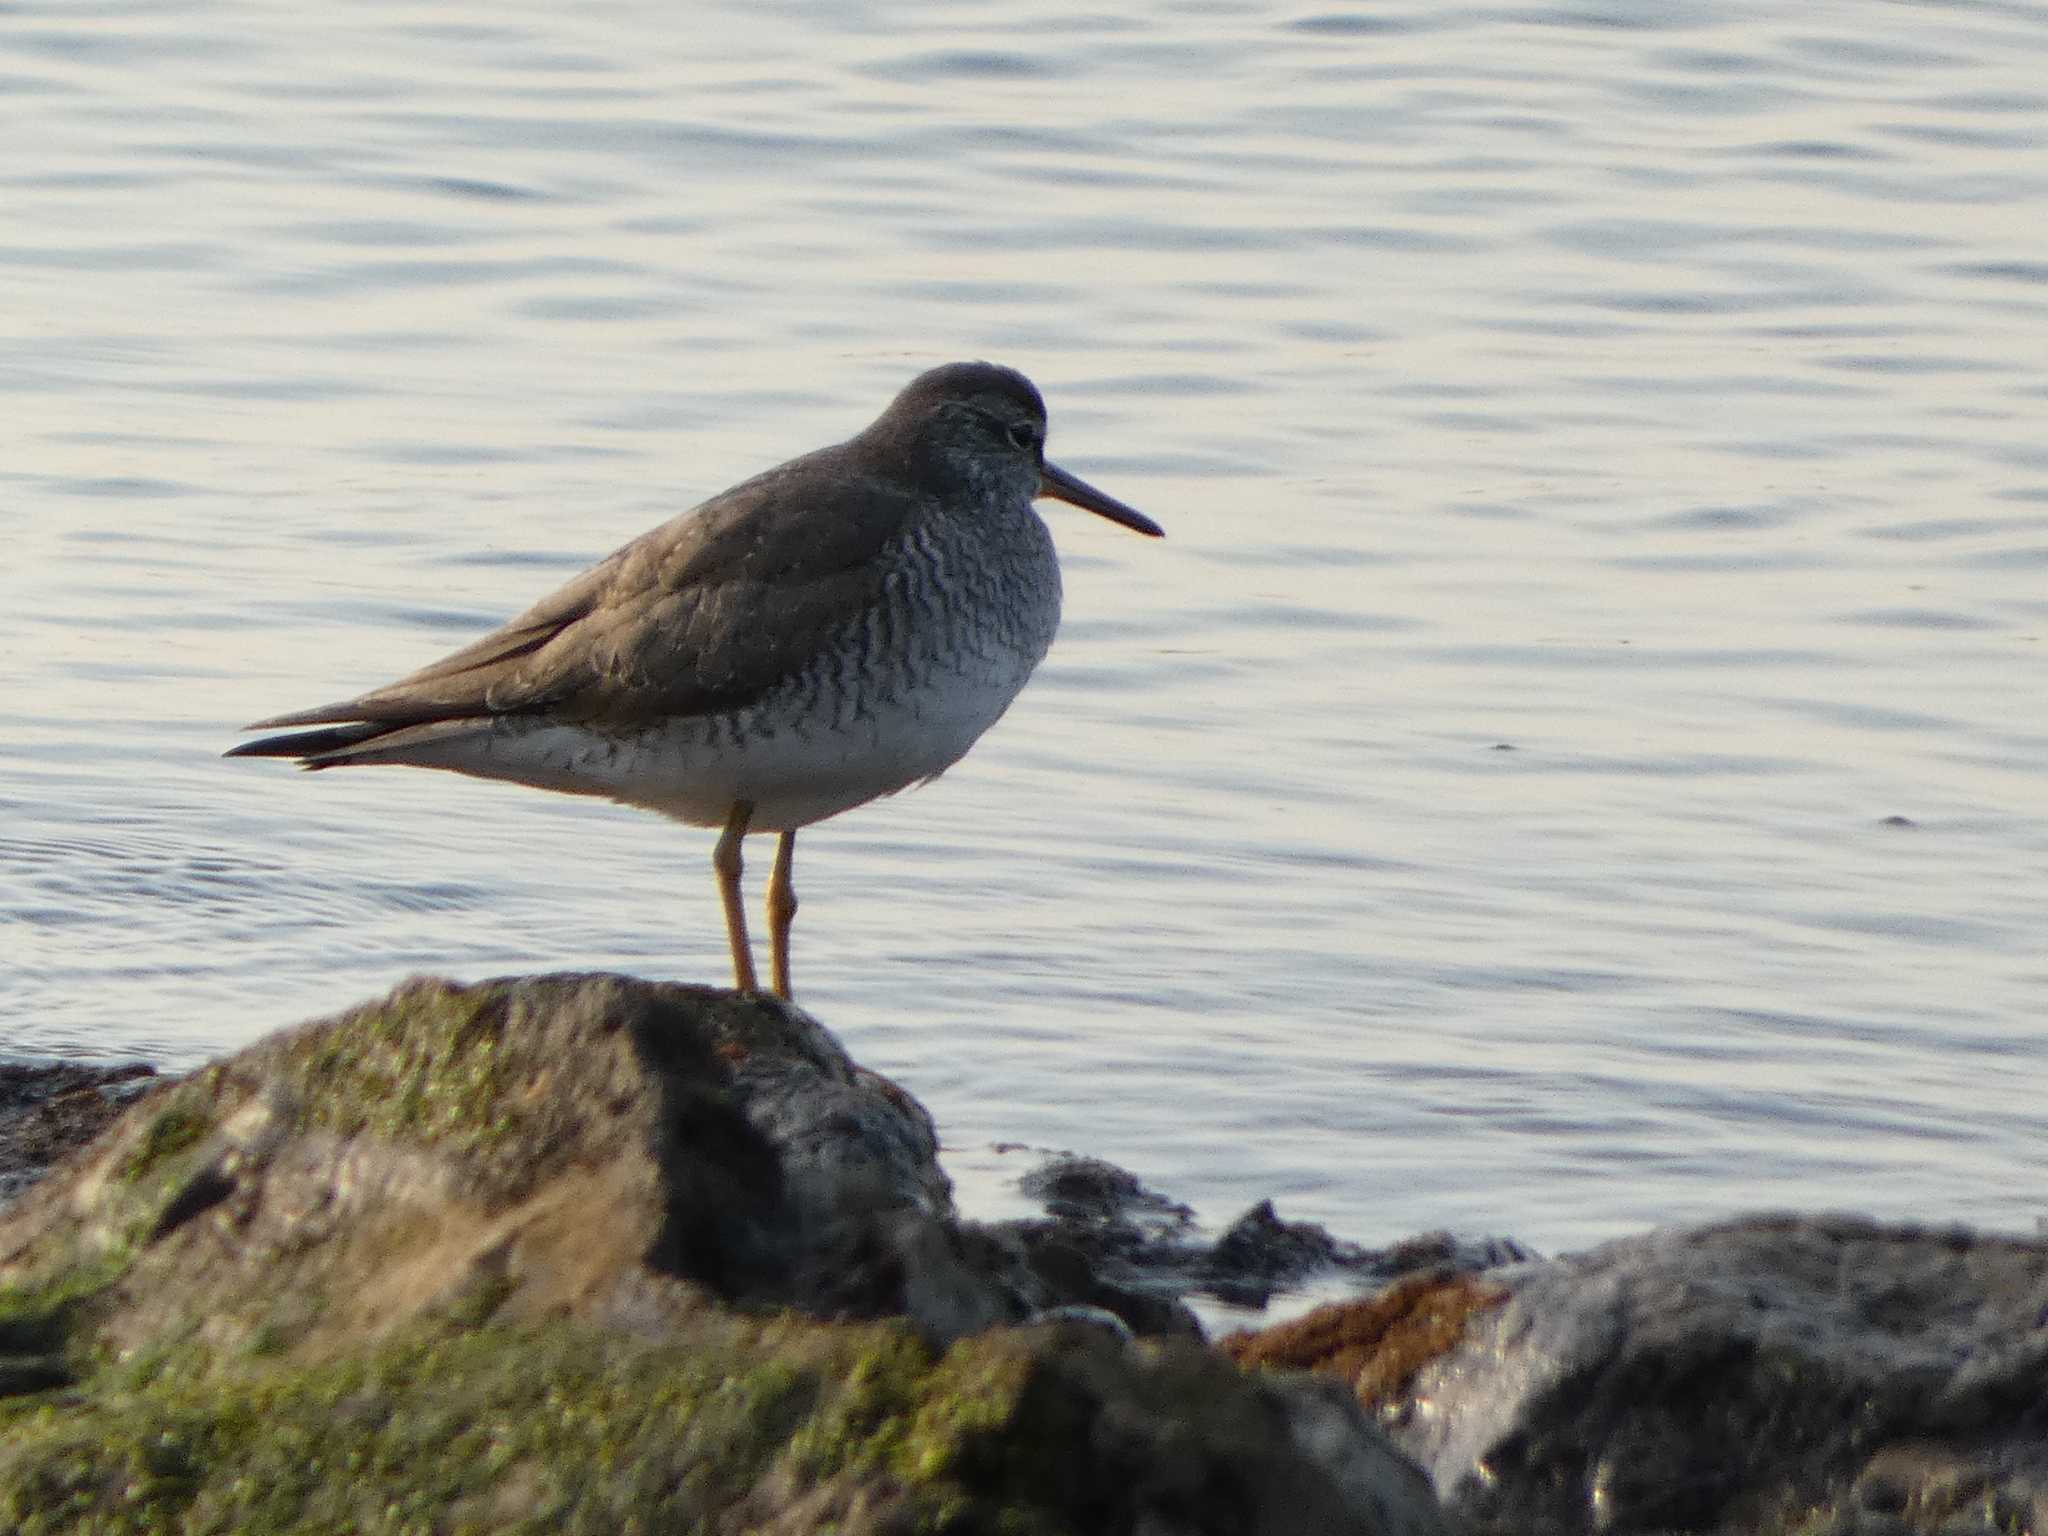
(589, 1254)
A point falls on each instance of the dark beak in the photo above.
(1061, 486)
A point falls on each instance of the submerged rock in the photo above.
(585, 1253)
(1148, 1245)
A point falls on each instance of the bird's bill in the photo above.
(1061, 486)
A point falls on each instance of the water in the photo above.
(1577, 761)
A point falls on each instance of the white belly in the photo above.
(793, 762)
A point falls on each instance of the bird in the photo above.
(836, 629)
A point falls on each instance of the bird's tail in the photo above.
(310, 747)
(364, 743)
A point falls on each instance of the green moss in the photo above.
(974, 1399)
(424, 1066)
(440, 1066)
(46, 1318)
(479, 1299)
(862, 1426)
(209, 1400)
(40, 1313)
(182, 1122)
(554, 1427)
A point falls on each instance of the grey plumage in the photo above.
(829, 631)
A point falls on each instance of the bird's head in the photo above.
(982, 426)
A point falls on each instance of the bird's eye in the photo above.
(1023, 436)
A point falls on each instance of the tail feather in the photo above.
(325, 714)
(307, 746)
(364, 743)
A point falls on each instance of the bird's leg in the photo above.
(725, 859)
(782, 909)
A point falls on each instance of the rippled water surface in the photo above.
(1579, 758)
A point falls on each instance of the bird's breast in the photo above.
(895, 695)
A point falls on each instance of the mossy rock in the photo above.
(726, 1426)
(585, 1254)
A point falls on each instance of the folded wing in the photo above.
(702, 615)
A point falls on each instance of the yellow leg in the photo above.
(781, 909)
(725, 859)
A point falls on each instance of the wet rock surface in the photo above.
(586, 1253)
(50, 1108)
(1778, 1373)
(1151, 1245)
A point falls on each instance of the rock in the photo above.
(1260, 1254)
(1089, 1192)
(584, 1253)
(1376, 1344)
(1105, 1220)
(48, 1109)
(1772, 1373)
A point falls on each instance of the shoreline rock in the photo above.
(1145, 1242)
(1825, 1375)
(586, 1253)
(48, 1109)
(581, 1253)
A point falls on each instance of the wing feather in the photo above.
(706, 613)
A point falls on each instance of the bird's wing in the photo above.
(705, 613)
